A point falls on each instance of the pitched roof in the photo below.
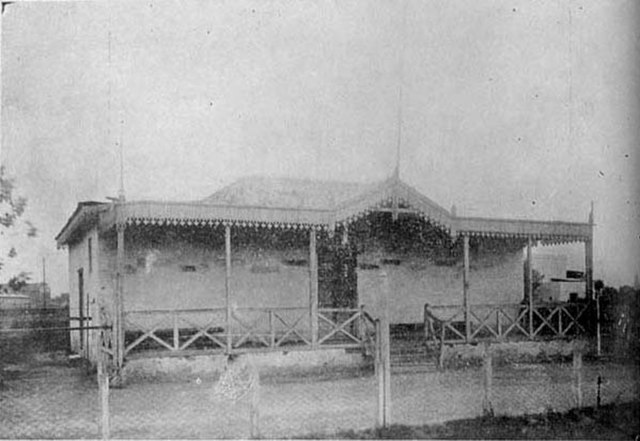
(303, 203)
(290, 193)
(86, 213)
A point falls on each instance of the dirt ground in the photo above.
(54, 399)
(612, 421)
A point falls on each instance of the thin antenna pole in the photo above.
(570, 78)
(121, 190)
(109, 75)
(119, 144)
(396, 172)
(2, 5)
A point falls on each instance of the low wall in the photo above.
(282, 363)
(467, 355)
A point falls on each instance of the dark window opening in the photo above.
(188, 268)
(295, 262)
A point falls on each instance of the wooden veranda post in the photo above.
(465, 286)
(227, 284)
(529, 287)
(588, 276)
(119, 301)
(313, 287)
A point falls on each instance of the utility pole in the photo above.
(44, 285)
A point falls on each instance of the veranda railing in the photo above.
(249, 329)
(502, 322)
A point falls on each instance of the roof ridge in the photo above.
(301, 179)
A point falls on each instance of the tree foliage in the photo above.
(16, 283)
(12, 207)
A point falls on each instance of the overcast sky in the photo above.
(525, 109)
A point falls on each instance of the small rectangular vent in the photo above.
(295, 262)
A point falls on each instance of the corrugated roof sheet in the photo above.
(287, 193)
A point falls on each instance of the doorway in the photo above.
(81, 307)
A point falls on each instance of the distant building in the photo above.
(13, 301)
(556, 286)
(60, 301)
(38, 294)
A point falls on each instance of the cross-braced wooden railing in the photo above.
(174, 330)
(248, 329)
(502, 322)
(344, 326)
(269, 327)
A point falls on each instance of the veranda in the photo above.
(312, 299)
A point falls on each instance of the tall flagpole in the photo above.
(570, 77)
(2, 6)
(121, 143)
(396, 171)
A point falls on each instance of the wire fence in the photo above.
(49, 396)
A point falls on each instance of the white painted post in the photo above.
(577, 376)
(465, 287)
(313, 288)
(588, 259)
(530, 286)
(103, 382)
(377, 364)
(1, 19)
(272, 330)
(176, 330)
(598, 330)
(254, 410)
(487, 359)
(119, 328)
(227, 284)
(384, 380)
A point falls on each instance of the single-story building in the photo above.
(271, 263)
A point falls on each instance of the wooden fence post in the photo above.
(384, 357)
(598, 328)
(487, 363)
(103, 382)
(383, 376)
(577, 376)
(379, 374)
(254, 410)
(386, 353)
